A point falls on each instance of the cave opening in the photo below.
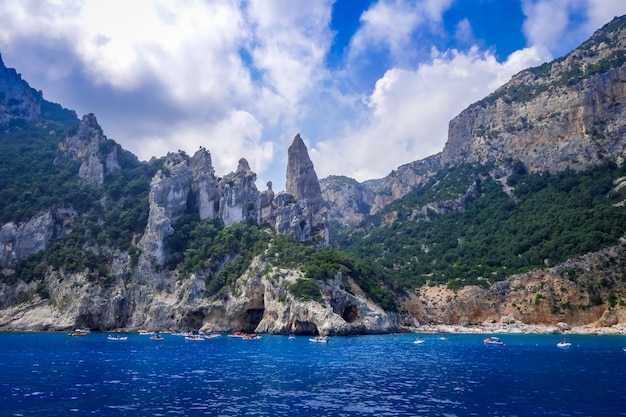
(350, 313)
(251, 319)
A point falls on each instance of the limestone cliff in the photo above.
(263, 304)
(569, 113)
(349, 202)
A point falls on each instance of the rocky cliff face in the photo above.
(566, 114)
(263, 305)
(569, 293)
(349, 202)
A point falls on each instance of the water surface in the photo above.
(52, 374)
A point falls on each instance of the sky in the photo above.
(368, 84)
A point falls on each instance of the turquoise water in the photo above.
(45, 374)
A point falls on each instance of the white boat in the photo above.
(418, 341)
(493, 341)
(251, 337)
(156, 336)
(78, 332)
(564, 344)
(194, 337)
(117, 337)
(292, 336)
(319, 339)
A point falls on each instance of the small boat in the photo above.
(78, 332)
(319, 339)
(418, 341)
(624, 349)
(237, 334)
(117, 337)
(564, 344)
(156, 336)
(493, 341)
(292, 336)
(194, 337)
(212, 335)
(251, 337)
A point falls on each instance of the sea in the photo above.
(53, 374)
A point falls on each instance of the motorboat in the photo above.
(194, 337)
(78, 332)
(418, 341)
(251, 337)
(292, 336)
(319, 339)
(117, 337)
(156, 336)
(493, 341)
(564, 344)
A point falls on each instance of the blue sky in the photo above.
(370, 85)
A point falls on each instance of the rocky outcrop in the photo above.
(30, 238)
(303, 205)
(349, 202)
(169, 190)
(86, 146)
(569, 113)
(302, 182)
(204, 185)
(238, 195)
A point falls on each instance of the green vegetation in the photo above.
(326, 263)
(220, 254)
(550, 219)
(34, 184)
(305, 290)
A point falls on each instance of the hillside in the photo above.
(519, 221)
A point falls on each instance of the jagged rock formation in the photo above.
(569, 113)
(85, 145)
(304, 187)
(302, 182)
(189, 184)
(238, 195)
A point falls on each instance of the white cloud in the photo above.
(289, 46)
(409, 111)
(550, 23)
(389, 24)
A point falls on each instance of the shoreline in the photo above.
(519, 328)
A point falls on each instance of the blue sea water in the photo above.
(52, 374)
